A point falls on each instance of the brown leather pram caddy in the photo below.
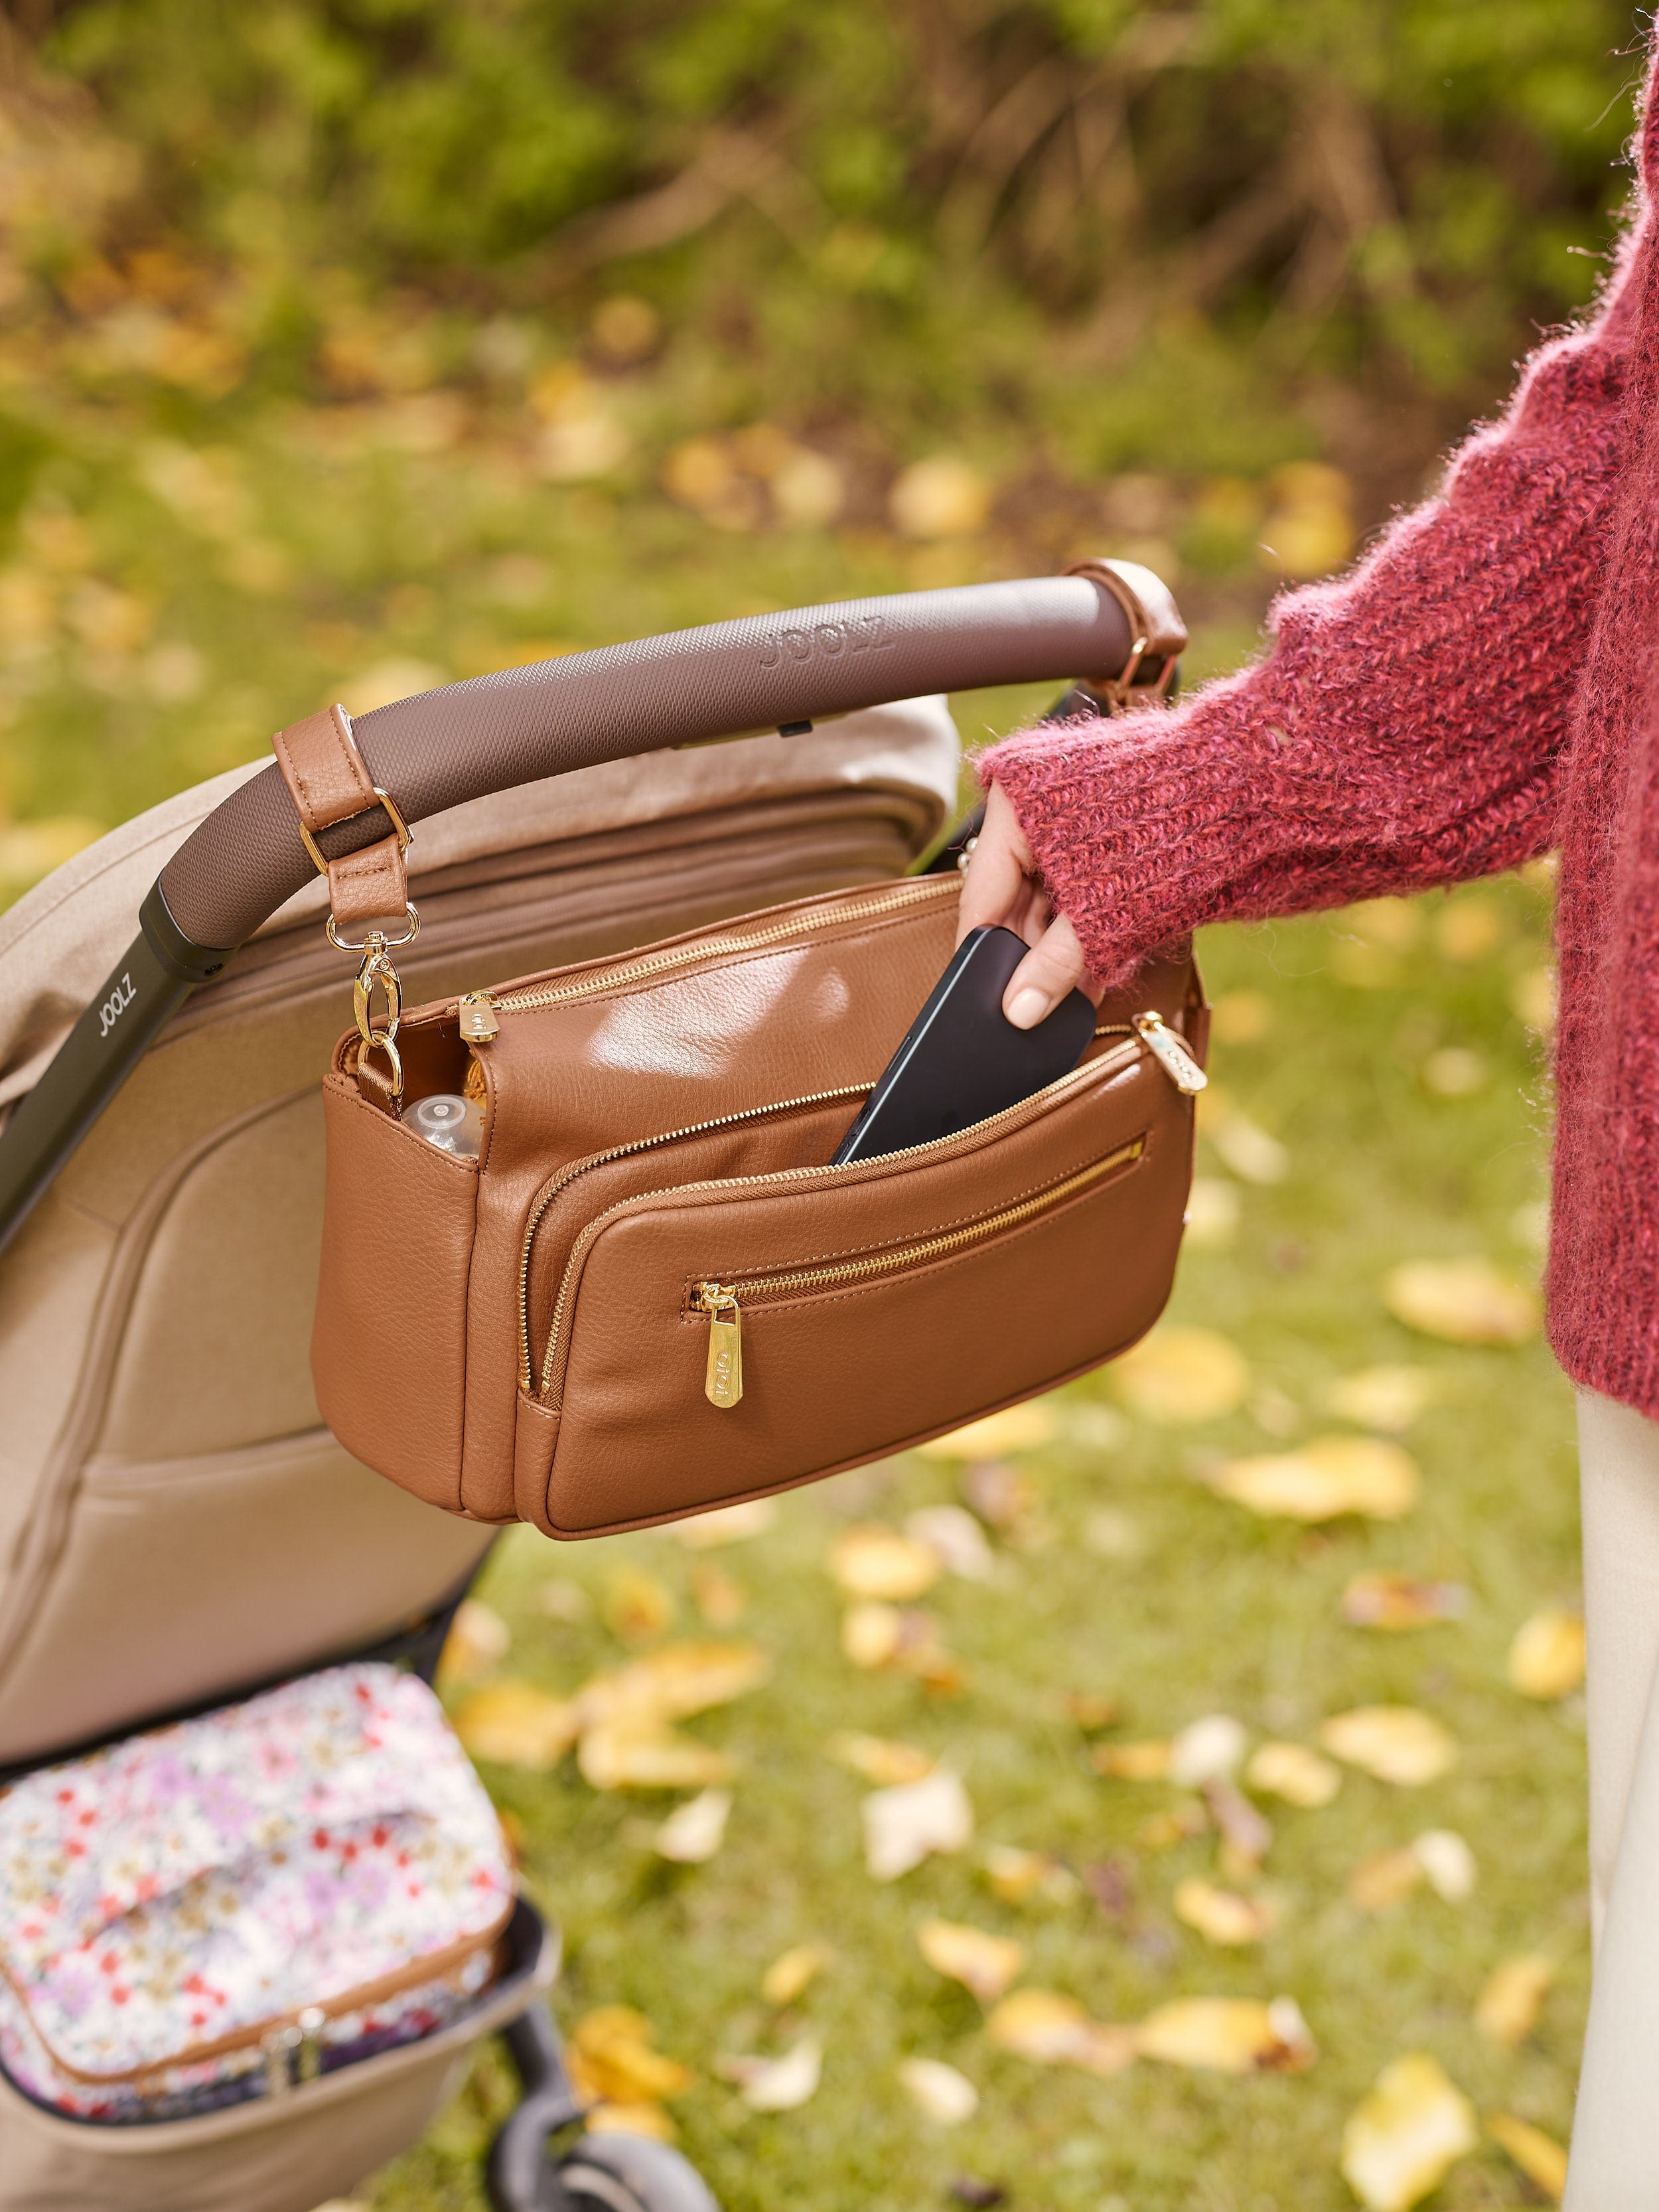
(177, 1527)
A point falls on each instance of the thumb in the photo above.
(1053, 966)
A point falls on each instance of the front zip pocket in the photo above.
(723, 1301)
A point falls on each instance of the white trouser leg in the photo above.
(1615, 2137)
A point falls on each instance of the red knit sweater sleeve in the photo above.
(1403, 731)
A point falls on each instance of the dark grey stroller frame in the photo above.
(779, 673)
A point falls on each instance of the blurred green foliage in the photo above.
(1130, 228)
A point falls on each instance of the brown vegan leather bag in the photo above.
(650, 1295)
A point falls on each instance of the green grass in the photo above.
(362, 554)
(1218, 1612)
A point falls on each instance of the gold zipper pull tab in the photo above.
(479, 1021)
(722, 1383)
(1170, 1053)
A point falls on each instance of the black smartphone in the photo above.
(963, 1060)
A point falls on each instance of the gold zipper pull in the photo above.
(478, 1018)
(1170, 1053)
(722, 1382)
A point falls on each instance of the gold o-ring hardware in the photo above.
(401, 830)
(377, 969)
(385, 1045)
(377, 940)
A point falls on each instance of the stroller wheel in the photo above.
(631, 2173)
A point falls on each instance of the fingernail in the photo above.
(1027, 1007)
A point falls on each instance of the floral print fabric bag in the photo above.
(226, 1907)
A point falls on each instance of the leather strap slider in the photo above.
(329, 783)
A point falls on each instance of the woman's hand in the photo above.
(1000, 887)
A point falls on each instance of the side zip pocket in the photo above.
(723, 1302)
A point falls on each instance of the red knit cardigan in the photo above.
(1485, 685)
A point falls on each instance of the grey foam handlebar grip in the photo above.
(444, 747)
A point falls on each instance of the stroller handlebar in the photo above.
(781, 671)
(760, 673)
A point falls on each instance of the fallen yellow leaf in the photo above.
(1508, 2007)
(1180, 1374)
(1093, 1709)
(778, 2085)
(1438, 1857)
(1223, 1916)
(1131, 1762)
(1229, 2035)
(630, 1755)
(1016, 1429)
(1243, 1145)
(1388, 1398)
(721, 1597)
(477, 1642)
(636, 1605)
(1469, 929)
(876, 1634)
(1386, 1879)
(871, 1562)
(1322, 1480)
(1293, 1773)
(694, 1832)
(789, 1974)
(1464, 1301)
(1207, 1750)
(640, 2119)
(1056, 2031)
(1395, 1743)
(672, 1684)
(879, 1760)
(1402, 2139)
(1396, 1602)
(516, 1725)
(1538, 2156)
(1546, 1659)
(1213, 1213)
(1015, 1875)
(955, 1539)
(987, 1965)
(1448, 1861)
(942, 496)
(870, 1632)
(945, 2095)
(1241, 1018)
(610, 2059)
(904, 1824)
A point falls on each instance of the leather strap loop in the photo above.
(1157, 634)
(328, 783)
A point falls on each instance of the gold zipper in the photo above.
(567, 1175)
(721, 1302)
(478, 1010)
(1038, 1102)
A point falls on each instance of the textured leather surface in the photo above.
(848, 1373)
(388, 1345)
(764, 671)
(328, 783)
(782, 1006)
